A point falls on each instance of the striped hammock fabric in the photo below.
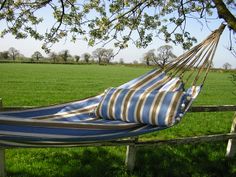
(76, 123)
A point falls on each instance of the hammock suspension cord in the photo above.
(197, 60)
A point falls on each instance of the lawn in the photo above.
(46, 84)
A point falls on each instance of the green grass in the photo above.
(45, 84)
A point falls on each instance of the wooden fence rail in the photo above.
(202, 108)
(212, 108)
(133, 143)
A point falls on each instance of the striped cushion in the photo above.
(175, 84)
(160, 108)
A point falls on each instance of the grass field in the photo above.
(45, 84)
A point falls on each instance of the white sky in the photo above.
(28, 46)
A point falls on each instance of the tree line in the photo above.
(159, 57)
(100, 55)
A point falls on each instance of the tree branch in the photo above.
(60, 20)
(3, 4)
(130, 10)
(224, 13)
(62, 15)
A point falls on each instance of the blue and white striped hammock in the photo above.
(76, 123)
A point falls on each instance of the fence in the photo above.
(134, 143)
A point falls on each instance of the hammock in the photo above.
(78, 122)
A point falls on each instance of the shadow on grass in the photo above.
(76, 162)
(180, 161)
(185, 160)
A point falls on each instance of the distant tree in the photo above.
(86, 57)
(53, 56)
(164, 55)
(149, 57)
(99, 53)
(135, 62)
(64, 55)
(227, 66)
(37, 55)
(4, 55)
(121, 61)
(108, 56)
(77, 58)
(105, 55)
(13, 53)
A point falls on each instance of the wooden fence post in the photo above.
(131, 155)
(2, 162)
(231, 147)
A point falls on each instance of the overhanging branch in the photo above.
(3, 4)
(224, 13)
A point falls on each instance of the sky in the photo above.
(28, 46)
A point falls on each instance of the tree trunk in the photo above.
(99, 60)
(147, 62)
(224, 13)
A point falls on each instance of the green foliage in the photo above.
(37, 55)
(149, 57)
(13, 53)
(4, 55)
(53, 56)
(95, 21)
(103, 55)
(86, 56)
(164, 56)
(227, 66)
(64, 55)
(77, 58)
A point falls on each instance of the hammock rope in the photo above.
(199, 59)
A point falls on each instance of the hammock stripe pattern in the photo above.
(160, 108)
(75, 123)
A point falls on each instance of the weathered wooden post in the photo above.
(2, 153)
(231, 147)
(131, 155)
